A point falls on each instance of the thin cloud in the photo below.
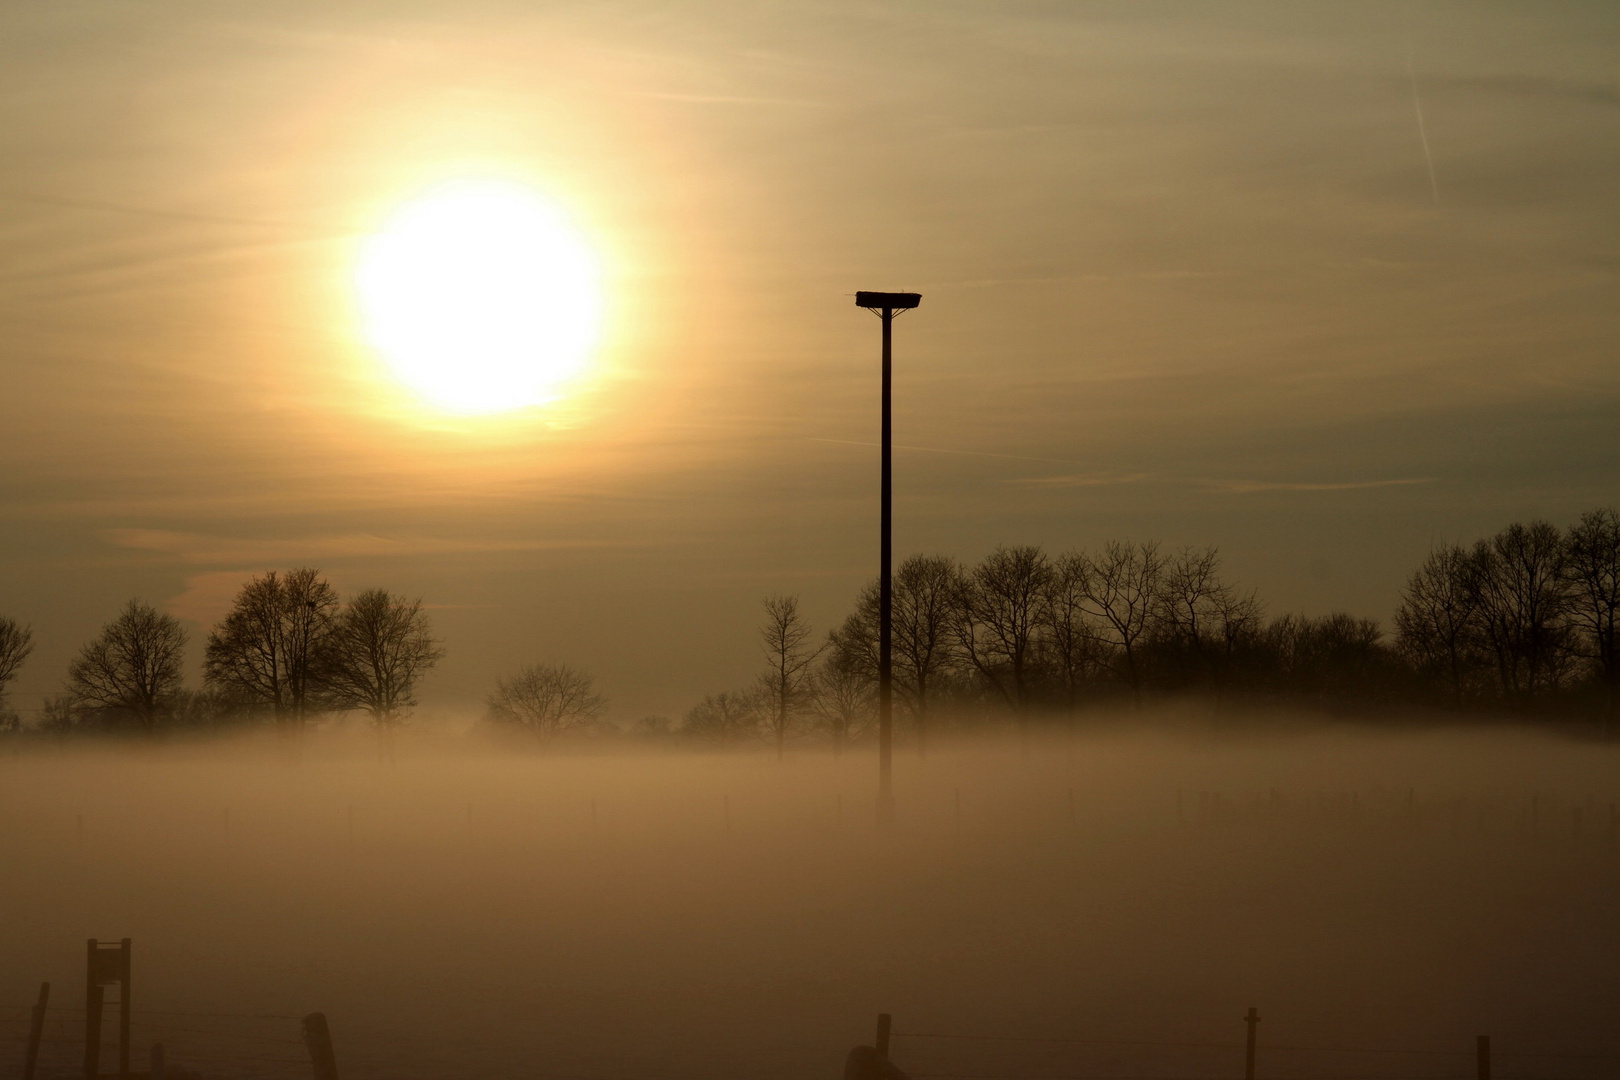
(727, 99)
(943, 450)
(1092, 480)
(205, 549)
(1247, 487)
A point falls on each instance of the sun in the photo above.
(481, 297)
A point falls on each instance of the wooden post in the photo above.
(36, 1031)
(123, 1010)
(92, 1015)
(1253, 1020)
(885, 1021)
(318, 1037)
(1482, 1049)
(156, 1059)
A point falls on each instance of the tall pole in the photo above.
(886, 305)
(886, 594)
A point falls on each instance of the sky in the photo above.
(1318, 284)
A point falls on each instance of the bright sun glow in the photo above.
(481, 296)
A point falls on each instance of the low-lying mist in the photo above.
(463, 912)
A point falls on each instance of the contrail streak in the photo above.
(1423, 131)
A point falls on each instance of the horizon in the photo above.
(1318, 286)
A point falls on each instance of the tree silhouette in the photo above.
(1202, 621)
(1120, 589)
(374, 653)
(547, 700)
(844, 696)
(727, 717)
(1438, 626)
(1523, 602)
(133, 669)
(16, 642)
(923, 644)
(1592, 571)
(998, 617)
(787, 684)
(264, 652)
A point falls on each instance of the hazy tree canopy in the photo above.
(547, 699)
(787, 685)
(133, 668)
(16, 642)
(727, 717)
(998, 614)
(1437, 625)
(263, 653)
(1523, 599)
(1592, 568)
(1202, 620)
(844, 698)
(1120, 590)
(373, 654)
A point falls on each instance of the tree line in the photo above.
(289, 649)
(1522, 622)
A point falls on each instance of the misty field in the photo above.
(1381, 899)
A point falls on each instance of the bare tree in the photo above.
(729, 716)
(1592, 570)
(999, 606)
(1336, 656)
(1073, 649)
(133, 669)
(264, 652)
(548, 700)
(377, 649)
(1523, 601)
(1437, 626)
(923, 642)
(1202, 619)
(1120, 588)
(16, 642)
(788, 682)
(844, 696)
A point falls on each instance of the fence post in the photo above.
(318, 1037)
(92, 1015)
(882, 1040)
(36, 1031)
(157, 1064)
(123, 1010)
(1253, 1020)
(1483, 1054)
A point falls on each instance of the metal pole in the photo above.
(886, 595)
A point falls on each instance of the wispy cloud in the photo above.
(963, 453)
(1247, 487)
(1088, 480)
(202, 548)
(729, 99)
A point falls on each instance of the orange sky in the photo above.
(1185, 276)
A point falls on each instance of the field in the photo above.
(1381, 899)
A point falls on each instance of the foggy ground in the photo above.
(721, 919)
